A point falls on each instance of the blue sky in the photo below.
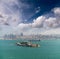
(33, 16)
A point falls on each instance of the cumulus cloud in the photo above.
(56, 10)
(51, 31)
(13, 10)
(37, 23)
(51, 22)
(8, 20)
(9, 13)
(54, 22)
(24, 26)
(7, 7)
(43, 21)
(43, 24)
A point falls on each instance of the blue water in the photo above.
(50, 49)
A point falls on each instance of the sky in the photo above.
(30, 17)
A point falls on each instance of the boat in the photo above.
(27, 44)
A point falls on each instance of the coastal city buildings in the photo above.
(29, 37)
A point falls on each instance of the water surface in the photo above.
(50, 49)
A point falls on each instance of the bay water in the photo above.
(49, 49)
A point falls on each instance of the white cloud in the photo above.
(8, 20)
(56, 10)
(37, 23)
(13, 11)
(24, 26)
(51, 31)
(42, 22)
(7, 6)
(9, 14)
(52, 23)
